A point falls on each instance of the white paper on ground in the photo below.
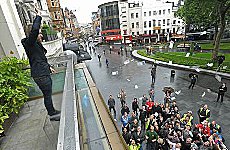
(203, 94)
(209, 91)
(128, 80)
(187, 55)
(197, 70)
(114, 73)
(178, 92)
(170, 62)
(173, 98)
(126, 62)
(136, 87)
(210, 64)
(218, 78)
(225, 67)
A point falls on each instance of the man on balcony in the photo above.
(40, 69)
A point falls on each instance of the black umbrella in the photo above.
(193, 74)
(170, 89)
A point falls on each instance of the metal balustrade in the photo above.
(68, 138)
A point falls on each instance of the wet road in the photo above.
(134, 73)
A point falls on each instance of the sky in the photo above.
(83, 8)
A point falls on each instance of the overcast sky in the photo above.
(83, 8)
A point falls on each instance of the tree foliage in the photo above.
(207, 14)
(14, 82)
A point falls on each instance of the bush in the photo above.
(14, 82)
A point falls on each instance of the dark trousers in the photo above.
(191, 85)
(151, 146)
(122, 103)
(221, 97)
(45, 85)
(113, 111)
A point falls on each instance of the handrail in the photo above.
(68, 138)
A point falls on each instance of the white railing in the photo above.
(54, 48)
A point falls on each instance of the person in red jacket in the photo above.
(149, 105)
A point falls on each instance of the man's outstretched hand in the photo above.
(38, 12)
(53, 70)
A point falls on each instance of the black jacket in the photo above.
(222, 89)
(36, 52)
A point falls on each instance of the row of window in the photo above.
(154, 23)
(160, 12)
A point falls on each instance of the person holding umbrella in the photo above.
(193, 78)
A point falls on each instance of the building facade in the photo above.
(109, 22)
(150, 21)
(56, 14)
(71, 24)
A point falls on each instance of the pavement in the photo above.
(137, 73)
(32, 130)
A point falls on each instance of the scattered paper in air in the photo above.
(218, 78)
(126, 62)
(136, 87)
(170, 62)
(209, 91)
(197, 70)
(187, 55)
(173, 98)
(203, 94)
(128, 80)
(225, 67)
(210, 64)
(178, 92)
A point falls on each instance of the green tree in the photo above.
(206, 14)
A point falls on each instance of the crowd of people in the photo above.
(154, 126)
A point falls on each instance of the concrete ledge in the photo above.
(176, 66)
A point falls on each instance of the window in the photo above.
(163, 31)
(154, 31)
(55, 15)
(133, 33)
(123, 16)
(145, 32)
(154, 23)
(149, 32)
(174, 30)
(168, 22)
(137, 33)
(159, 22)
(168, 11)
(174, 21)
(137, 24)
(145, 14)
(149, 13)
(154, 13)
(132, 25)
(124, 25)
(150, 23)
(178, 22)
(168, 30)
(53, 3)
(145, 24)
(136, 15)
(132, 15)
(125, 32)
(163, 21)
(159, 12)
(163, 11)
